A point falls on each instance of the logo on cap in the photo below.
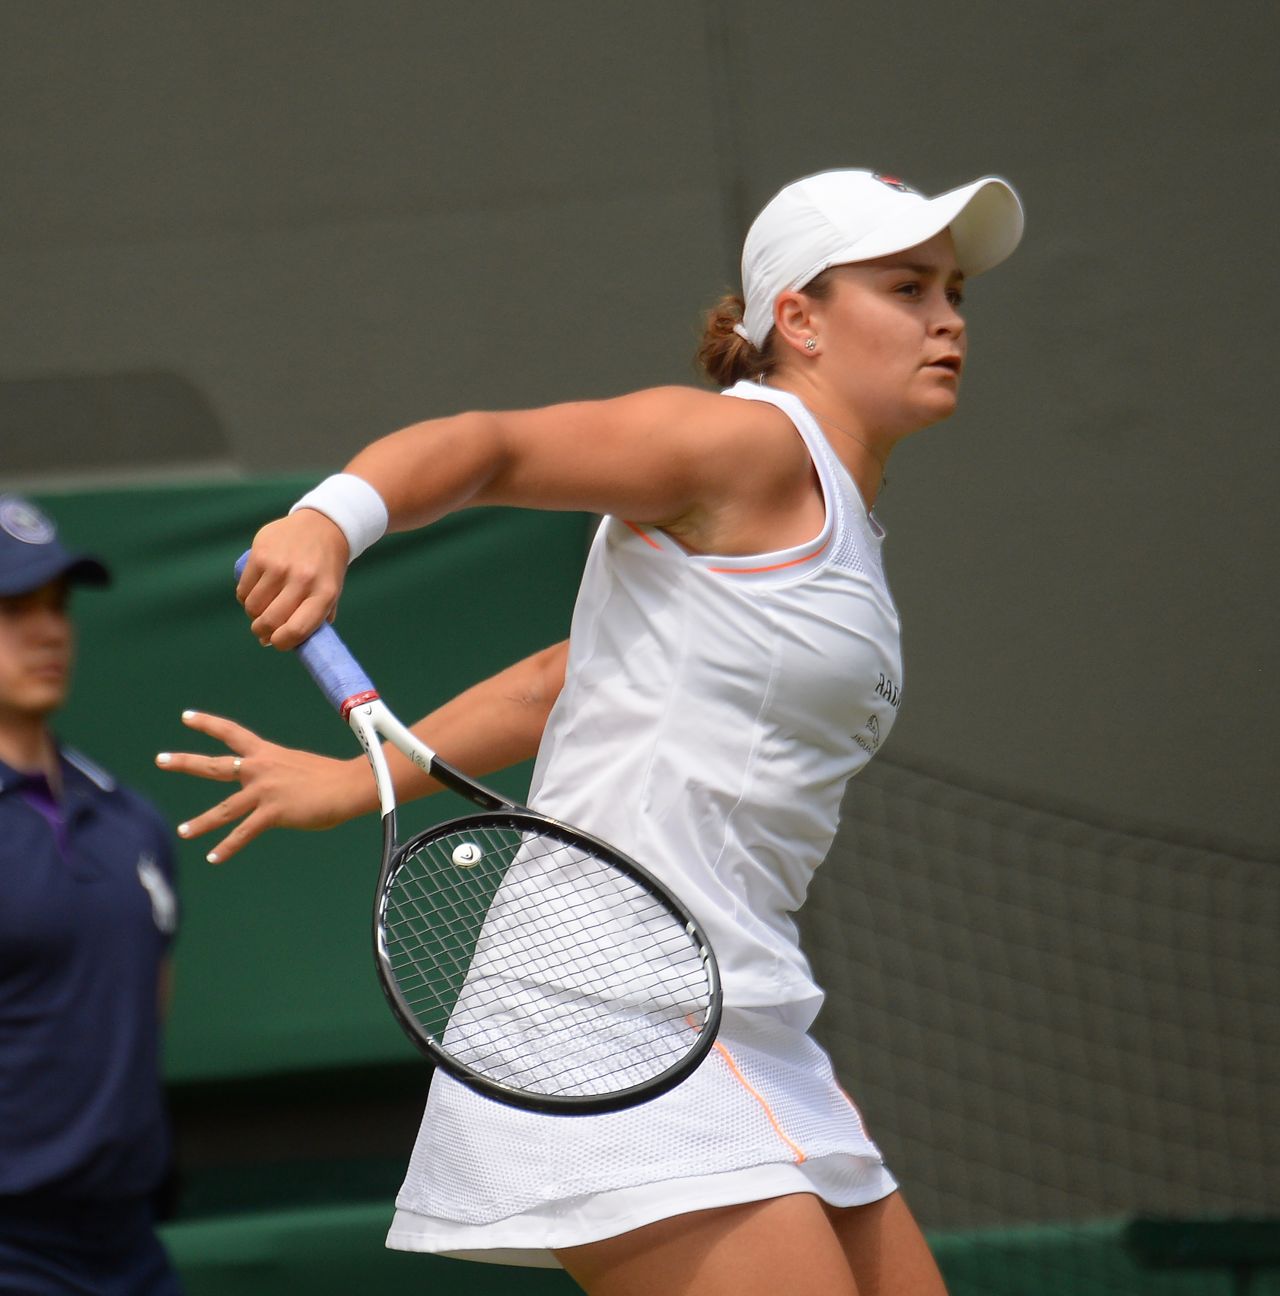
(25, 522)
(893, 182)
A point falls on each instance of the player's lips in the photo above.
(951, 362)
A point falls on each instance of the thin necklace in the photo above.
(853, 436)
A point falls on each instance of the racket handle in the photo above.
(328, 661)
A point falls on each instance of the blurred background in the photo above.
(238, 241)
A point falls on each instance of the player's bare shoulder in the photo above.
(754, 441)
(756, 488)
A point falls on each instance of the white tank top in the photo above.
(714, 709)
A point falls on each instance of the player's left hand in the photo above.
(277, 787)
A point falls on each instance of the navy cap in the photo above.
(31, 554)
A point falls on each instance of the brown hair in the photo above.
(727, 357)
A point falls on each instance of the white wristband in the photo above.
(353, 506)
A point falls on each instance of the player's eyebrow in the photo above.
(919, 268)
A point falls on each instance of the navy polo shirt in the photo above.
(87, 913)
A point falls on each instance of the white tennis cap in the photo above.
(836, 217)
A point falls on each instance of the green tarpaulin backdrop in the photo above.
(273, 967)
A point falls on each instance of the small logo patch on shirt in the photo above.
(164, 904)
(887, 689)
(870, 745)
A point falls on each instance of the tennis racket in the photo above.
(529, 960)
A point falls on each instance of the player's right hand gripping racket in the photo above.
(531, 961)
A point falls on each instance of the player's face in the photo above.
(36, 645)
(894, 334)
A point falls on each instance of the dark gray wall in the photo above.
(329, 220)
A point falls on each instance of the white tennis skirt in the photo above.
(761, 1117)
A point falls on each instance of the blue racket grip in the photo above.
(328, 660)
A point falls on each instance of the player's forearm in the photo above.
(492, 725)
(429, 469)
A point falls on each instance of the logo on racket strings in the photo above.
(467, 855)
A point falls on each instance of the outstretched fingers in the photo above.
(253, 825)
(233, 735)
(280, 787)
(242, 804)
(222, 769)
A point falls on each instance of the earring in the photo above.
(811, 344)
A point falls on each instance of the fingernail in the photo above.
(212, 857)
(163, 758)
(184, 830)
(188, 715)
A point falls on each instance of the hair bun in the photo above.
(724, 354)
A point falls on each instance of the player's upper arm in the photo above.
(655, 456)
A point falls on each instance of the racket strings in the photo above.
(538, 964)
(419, 914)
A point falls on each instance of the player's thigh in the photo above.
(886, 1250)
(786, 1244)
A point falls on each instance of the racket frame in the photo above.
(551, 1104)
(349, 689)
(371, 720)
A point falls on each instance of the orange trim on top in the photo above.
(648, 539)
(764, 1106)
(735, 571)
(791, 562)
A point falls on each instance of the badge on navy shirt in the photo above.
(164, 904)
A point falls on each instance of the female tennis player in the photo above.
(733, 660)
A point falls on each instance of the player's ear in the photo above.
(794, 322)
